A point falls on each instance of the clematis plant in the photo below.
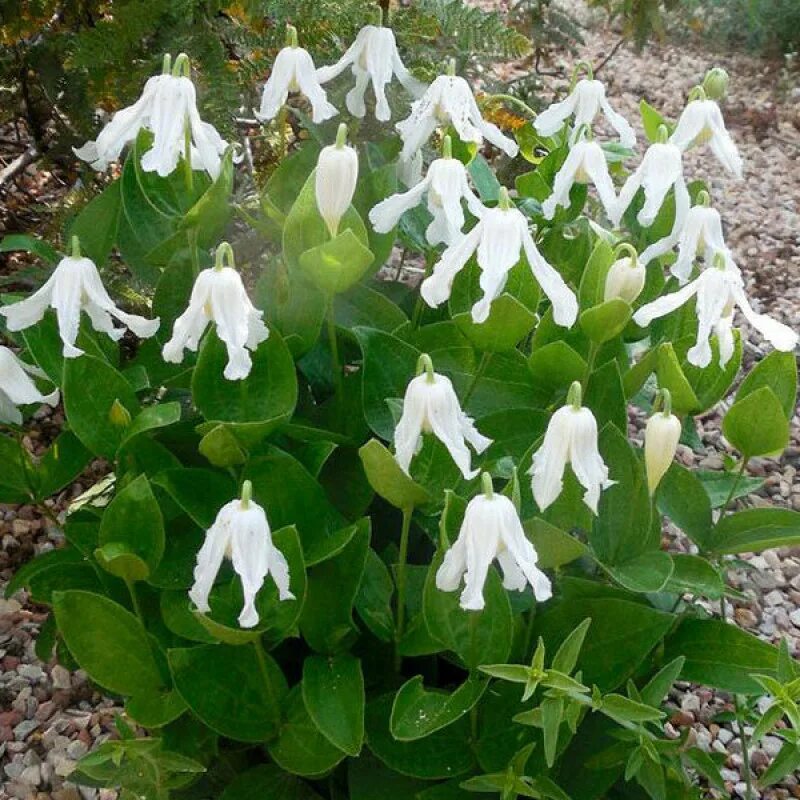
(335, 180)
(17, 387)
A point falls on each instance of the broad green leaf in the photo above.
(336, 265)
(657, 688)
(623, 709)
(605, 321)
(722, 485)
(388, 479)
(683, 499)
(671, 376)
(417, 712)
(54, 571)
(605, 396)
(62, 462)
(556, 365)
(648, 572)
(17, 473)
(233, 690)
(756, 425)
(778, 371)
(300, 747)
(652, 120)
(109, 642)
(152, 417)
(374, 599)
(695, 575)
(721, 655)
(756, 529)
(363, 305)
(268, 782)
(96, 225)
(201, 493)
(333, 693)
(367, 776)
(30, 244)
(553, 546)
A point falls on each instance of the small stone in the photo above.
(32, 776)
(60, 677)
(77, 749)
(25, 729)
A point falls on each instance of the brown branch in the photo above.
(18, 164)
(611, 55)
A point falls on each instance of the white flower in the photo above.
(699, 233)
(500, 238)
(719, 289)
(17, 389)
(626, 277)
(219, 296)
(449, 100)
(335, 180)
(373, 58)
(446, 185)
(167, 107)
(240, 532)
(409, 171)
(700, 122)
(661, 436)
(571, 438)
(584, 101)
(491, 530)
(661, 170)
(431, 406)
(294, 71)
(585, 163)
(75, 285)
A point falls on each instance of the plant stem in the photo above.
(135, 600)
(484, 363)
(400, 578)
(195, 256)
(334, 348)
(529, 632)
(593, 350)
(737, 478)
(430, 258)
(282, 116)
(748, 778)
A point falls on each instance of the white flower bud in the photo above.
(661, 436)
(716, 83)
(625, 280)
(337, 174)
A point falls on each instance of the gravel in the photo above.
(50, 717)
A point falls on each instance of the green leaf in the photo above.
(201, 493)
(54, 571)
(593, 281)
(756, 529)
(477, 637)
(553, 546)
(30, 244)
(333, 692)
(234, 691)
(62, 462)
(694, 575)
(605, 396)
(671, 376)
(96, 225)
(652, 120)
(721, 655)
(786, 762)
(91, 387)
(706, 766)
(17, 467)
(648, 572)
(327, 621)
(721, 485)
(300, 747)
(363, 305)
(443, 754)
(605, 321)
(778, 371)
(374, 599)
(556, 365)
(161, 415)
(336, 265)
(417, 712)
(267, 396)
(757, 425)
(388, 479)
(221, 448)
(108, 642)
(566, 657)
(656, 689)
(682, 497)
(268, 782)
(552, 709)
(623, 709)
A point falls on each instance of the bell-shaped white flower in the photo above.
(294, 71)
(586, 163)
(446, 184)
(500, 237)
(661, 436)
(17, 388)
(73, 287)
(571, 438)
(700, 122)
(373, 58)
(431, 406)
(168, 108)
(409, 171)
(219, 296)
(491, 530)
(585, 101)
(626, 277)
(719, 289)
(661, 169)
(449, 101)
(241, 533)
(335, 180)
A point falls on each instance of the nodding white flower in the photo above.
(500, 237)
(373, 58)
(586, 163)
(719, 289)
(700, 122)
(241, 533)
(491, 530)
(219, 296)
(449, 100)
(571, 438)
(335, 181)
(73, 287)
(661, 169)
(409, 171)
(700, 233)
(431, 406)
(586, 99)
(626, 277)
(446, 185)
(17, 389)
(294, 71)
(661, 436)
(168, 108)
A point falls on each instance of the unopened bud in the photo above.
(337, 174)
(661, 436)
(625, 279)
(716, 83)
(118, 415)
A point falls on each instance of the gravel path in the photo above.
(50, 717)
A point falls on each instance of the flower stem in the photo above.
(400, 578)
(135, 600)
(484, 363)
(193, 251)
(430, 258)
(334, 348)
(748, 778)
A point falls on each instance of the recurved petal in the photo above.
(550, 460)
(587, 463)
